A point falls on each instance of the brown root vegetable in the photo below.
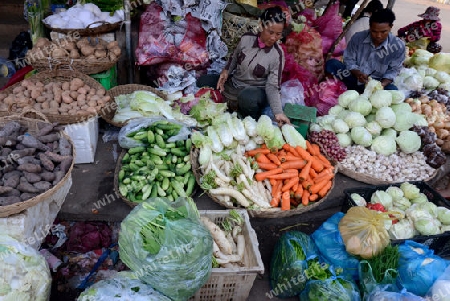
(24, 186)
(47, 176)
(74, 54)
(28, 167)
(11, 179)
(87, 50)
(43, 185)
(59, 53)
(26, 196)
(65, 164)
(9, 200)
(58, 177)
(32, 177)
(112, 44)
(47, 129)
(5, 189)
(65, 149)
(5, 151)
(55, 157)
(13, 192)
(49, 138)
(46, 162)
(20, 153)
(100, 53)
(9, 128)
(30, 141)
(28, 159)
(8, 140)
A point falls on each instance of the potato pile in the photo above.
(31, 163)
(437, 117)
(73, 97)
(91, 49)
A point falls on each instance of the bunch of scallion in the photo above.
(385, 262)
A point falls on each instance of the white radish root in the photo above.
(218, 236)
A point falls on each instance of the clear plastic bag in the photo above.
(166, 246)
(292, 92)
(367, 279)
(331, 246)
(389, 293)
(363, 231)
(441, 287)
(334, 288)
(136, 124)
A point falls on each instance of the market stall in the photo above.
(176, 144)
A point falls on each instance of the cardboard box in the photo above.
(85, 137)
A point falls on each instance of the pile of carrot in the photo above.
(297, 175)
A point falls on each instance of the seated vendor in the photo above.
(374, 53)
(428, 28)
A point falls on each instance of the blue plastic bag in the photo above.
(289, 262)
(418, 267)
(331, 247)
(389, 293)
(440, 291)
(334, 288)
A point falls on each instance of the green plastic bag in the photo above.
(166, 246)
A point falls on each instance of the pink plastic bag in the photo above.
(328, 95)
(330, 23)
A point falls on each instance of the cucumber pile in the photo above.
(159, 168)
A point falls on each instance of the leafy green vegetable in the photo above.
(330, 289)
(205, 111)
(385, 262)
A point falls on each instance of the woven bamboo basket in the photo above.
(81, 65)
(262, 213)
(370, 179)
(108, 115)
(61, 189)
(89, 31)
(234, 26)
(57, 75)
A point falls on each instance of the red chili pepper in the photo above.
(377, 207)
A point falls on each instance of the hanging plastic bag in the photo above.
(135, 125)
(289, 263)
(331, 246)
(390, 293)
(367, 278)
(419, 267)
(334, 288)
(363, 231)
(441, 287)
(166, 246)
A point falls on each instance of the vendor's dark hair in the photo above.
(383, 16)
(373, 6)
(273, 15)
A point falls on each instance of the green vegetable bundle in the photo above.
(166, 246)
(158, 167)
(335, 288)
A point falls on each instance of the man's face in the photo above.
(379, 32)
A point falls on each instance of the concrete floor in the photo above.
(92, 188)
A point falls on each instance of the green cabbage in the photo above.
(371, 87)
(395, 192)
(385, 117)
(384, 145)
(429, 207)
(382, 197)
(428, 226)
(414, 213)
(354, 119)
(442, 77)
(344, 139)
(358, 199)
(443, 215)
(389, 132)
(397, 96)
(381, 98)
(250, 126)
(361, 105)
(342, 114)
(430, 82)
(408, 141)
(361, 136)
(402, 203)
(421, 198)
(406, 120)
(404, 229)
(292, 136)
(410, 191)
(400, 108)
(345, 98)
(335, 110)
(370, 117)
(440, 62)
(339, 126)
(374, 128)
(265, 128)
(277, 142)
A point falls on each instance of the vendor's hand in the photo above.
(361, 77)
(222, 80)
(282, 119)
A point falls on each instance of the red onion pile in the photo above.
(329, 144)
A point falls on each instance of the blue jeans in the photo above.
(339, 70)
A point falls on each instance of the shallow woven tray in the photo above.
(105, 27)
(59, 75)
(33, 126)
(262, 213)
(108, 115)
(80, 65)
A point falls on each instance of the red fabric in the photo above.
(421, 29)
(18, 76)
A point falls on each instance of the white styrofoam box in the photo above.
(32, 225)
(84, 136)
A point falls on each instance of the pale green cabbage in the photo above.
(358, 199)
(430, 82)
(401, 108)
(370, 117)
(410, 191)
(342, 114)
(397, 96)
(408, 141)
(382, 197)
(361, 136)
(361, 105)
(429, 207)
(371, 87)
(406, 120)
(414, 213)
(384, 145)
(265, 128)
(421, 198)
(389, 132)
(315, 127)
(344, 139)
(354, 119)
(339, 126)
(345, 98)
(277, 141)
(335, 110)
(381, 98)
(395, 192)
(404, 229)
(442, 77)
(428, 226)
(385, 117)
(250, 126)
(443, 215)
(374, 128)
(402, 203)
(440, 61)
(292, 136)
